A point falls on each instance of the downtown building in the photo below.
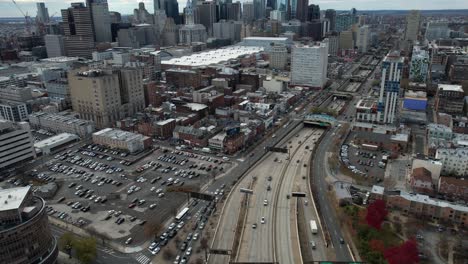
(309, 65)
(16, 144)
(392, 68)
(419, 65)
(25, 233)
(108, 95)
(79, 32)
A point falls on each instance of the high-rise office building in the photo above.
(345, 21)
(437, 30)
(248, 11)
(412, 25)
(42, 13)
(227, 30)
(79, 31)
(309, 65)
(158, 5)
(346, 40)
(172, 10)
(259, 9)
(278, 15)
(207, 15)
(362, 39)
(313, 12)
(419, 64)
(302, 10)
(392, 68)
(271, 4)
(54, 45)
(25, 233)
(17, 145)
(105, 96)
(330, 14)
(101, 20)
(234, 11)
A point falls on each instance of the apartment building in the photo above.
(108, 95)
(454, 161)
(16, 143)
(450, 99)
(278, 57)
(309, 65)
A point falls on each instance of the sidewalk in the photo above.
(63, 258)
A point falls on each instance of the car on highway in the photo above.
(265, 202)
(128, 241)
(341, 240)
(268, 188)
(262, 220)
(269, 178)
(254, 225)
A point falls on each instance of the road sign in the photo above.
(202, 196)
(245, 190)
(298, 194)
(275, 149)
(220, 251)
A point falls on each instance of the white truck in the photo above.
(313, 227)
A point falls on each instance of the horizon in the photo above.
(126, 7)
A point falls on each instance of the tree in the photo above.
(376, 213)
(405, 253)
(377, 245)
(66, 241)
(168, 254)
(204, 243)
(86, 249)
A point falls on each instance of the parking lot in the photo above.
(100, 190)
(369, 164)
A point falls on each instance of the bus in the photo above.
(313, 227)
(181, 214)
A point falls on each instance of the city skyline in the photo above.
(126, 6)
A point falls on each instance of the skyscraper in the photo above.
(158, 5)
(271, 4)
(419, 64)
(313, 12)
(392, 67)
(101, 20)
(302, 10)
(79, 31)
(172, 10)
(248, 11)
(330, 14)
(309, 65)
(234, 11)
(362, 39)
(412, 25)
(191, 32)
(259, 9)
(207, 15)
(42, 13)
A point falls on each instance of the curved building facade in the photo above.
(25, 235)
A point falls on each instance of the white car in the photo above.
(189, 251)
(152, 206)
(265, 202)
(195, 236)
(155, 251)
(153, 188)
(129, 240)
(160, 195)
(263, 220)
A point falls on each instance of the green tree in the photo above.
(66, 240)
(86, 249)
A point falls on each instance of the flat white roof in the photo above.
(266, 38)
(196, 106)
(451, 87)
(213, 56)
(12, 198)
(56, 140)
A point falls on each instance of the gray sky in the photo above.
(7, 9)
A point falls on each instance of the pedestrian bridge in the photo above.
(319, 120)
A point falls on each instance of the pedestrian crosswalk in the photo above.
(142, 258)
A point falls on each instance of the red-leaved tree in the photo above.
(377, 245)
(405, 253)
(376, 213)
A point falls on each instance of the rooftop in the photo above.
(118, 134)
(451, 87)
(213, 56)
(12, 198)
(56, 140)
(61, 59)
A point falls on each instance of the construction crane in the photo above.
(27, 18)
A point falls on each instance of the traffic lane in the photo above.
(255, 245)
(329, 215)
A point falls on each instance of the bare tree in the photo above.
(204, 243)
(152, 228)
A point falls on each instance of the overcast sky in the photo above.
(7, 8)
